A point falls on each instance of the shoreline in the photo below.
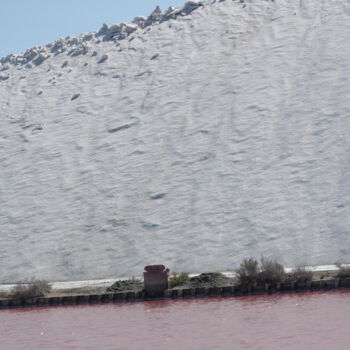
(95, 292)
(61, 285)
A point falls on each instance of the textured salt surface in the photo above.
(198, 141)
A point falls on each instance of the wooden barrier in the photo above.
(42, 301)
(226, 291)
(107, 298)
(214, 291)
(69, 300)
(55, 301)
(82, 299)
(201, 292)
(344, 283)
(175, 293)
(94, 298)
(4, 303)
(119, 297)
(188, 293)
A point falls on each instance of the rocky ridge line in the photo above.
(81, 44)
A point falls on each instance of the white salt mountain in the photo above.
(194, 138)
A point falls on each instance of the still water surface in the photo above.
(298, 321)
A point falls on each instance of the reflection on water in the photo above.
(297, 321)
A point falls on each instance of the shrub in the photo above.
(271, 271)
(30, 289)
(300, 275)
(178, 279)
(343, 272)
(248, 271)
(4, 295)
(251, 272)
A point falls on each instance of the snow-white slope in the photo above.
(218, 133)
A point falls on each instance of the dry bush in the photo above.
(300, 275)
(178, 279)
(4, 295)
(252, 272)
(343, 272)
(30, 289)
(271, 271)
(248, 271)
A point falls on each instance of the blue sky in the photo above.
(28, 23)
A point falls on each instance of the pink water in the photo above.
(298, 321)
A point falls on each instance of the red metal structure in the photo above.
(155, 279)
